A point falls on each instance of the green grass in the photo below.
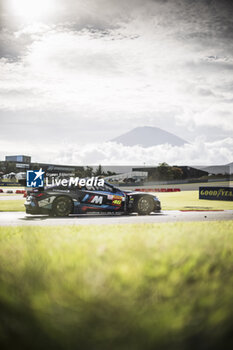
(12, 205)
(160, 286)
(199, 184)
(9, 194)
(189, 200)
(186, 200)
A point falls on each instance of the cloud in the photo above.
(121, 63)
(117, 66)
(111, 153)
(199, 152)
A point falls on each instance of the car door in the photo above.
(102, 198)
(115, 198)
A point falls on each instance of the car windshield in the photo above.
(105, 188)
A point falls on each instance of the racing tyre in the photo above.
(62, 206)
(144, 205)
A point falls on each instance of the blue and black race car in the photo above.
(60, 201)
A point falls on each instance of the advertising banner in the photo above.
(216, 193)
(15, 184)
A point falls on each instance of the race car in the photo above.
(60, 201)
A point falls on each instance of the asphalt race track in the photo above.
(20, 218)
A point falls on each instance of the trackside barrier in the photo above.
(13, 191)
(20, 191)
(158, 189)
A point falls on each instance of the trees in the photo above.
(89, 171)
(99, 171)
(177, 173)
(167, 172)
(164, 171)
(79, 172)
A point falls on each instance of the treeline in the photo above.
(166, 172)
(88, 171)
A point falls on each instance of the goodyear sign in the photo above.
(216, 193)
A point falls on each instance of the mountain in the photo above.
(217, 169)
(147, 136)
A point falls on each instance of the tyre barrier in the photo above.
(13, 191)
(158, 189)
(20, 191)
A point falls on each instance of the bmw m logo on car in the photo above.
(97, 200)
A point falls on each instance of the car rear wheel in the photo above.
(62, 206)
(144, 205)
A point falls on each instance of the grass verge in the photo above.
(189, 200)
(160, 286)
(12, 205)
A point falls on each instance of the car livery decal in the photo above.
(96, 200)
(84, 207)
(85, 198)
(47, 202)
(117, 200)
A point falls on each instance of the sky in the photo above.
(75, 74)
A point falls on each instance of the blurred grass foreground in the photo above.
(148, 286)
